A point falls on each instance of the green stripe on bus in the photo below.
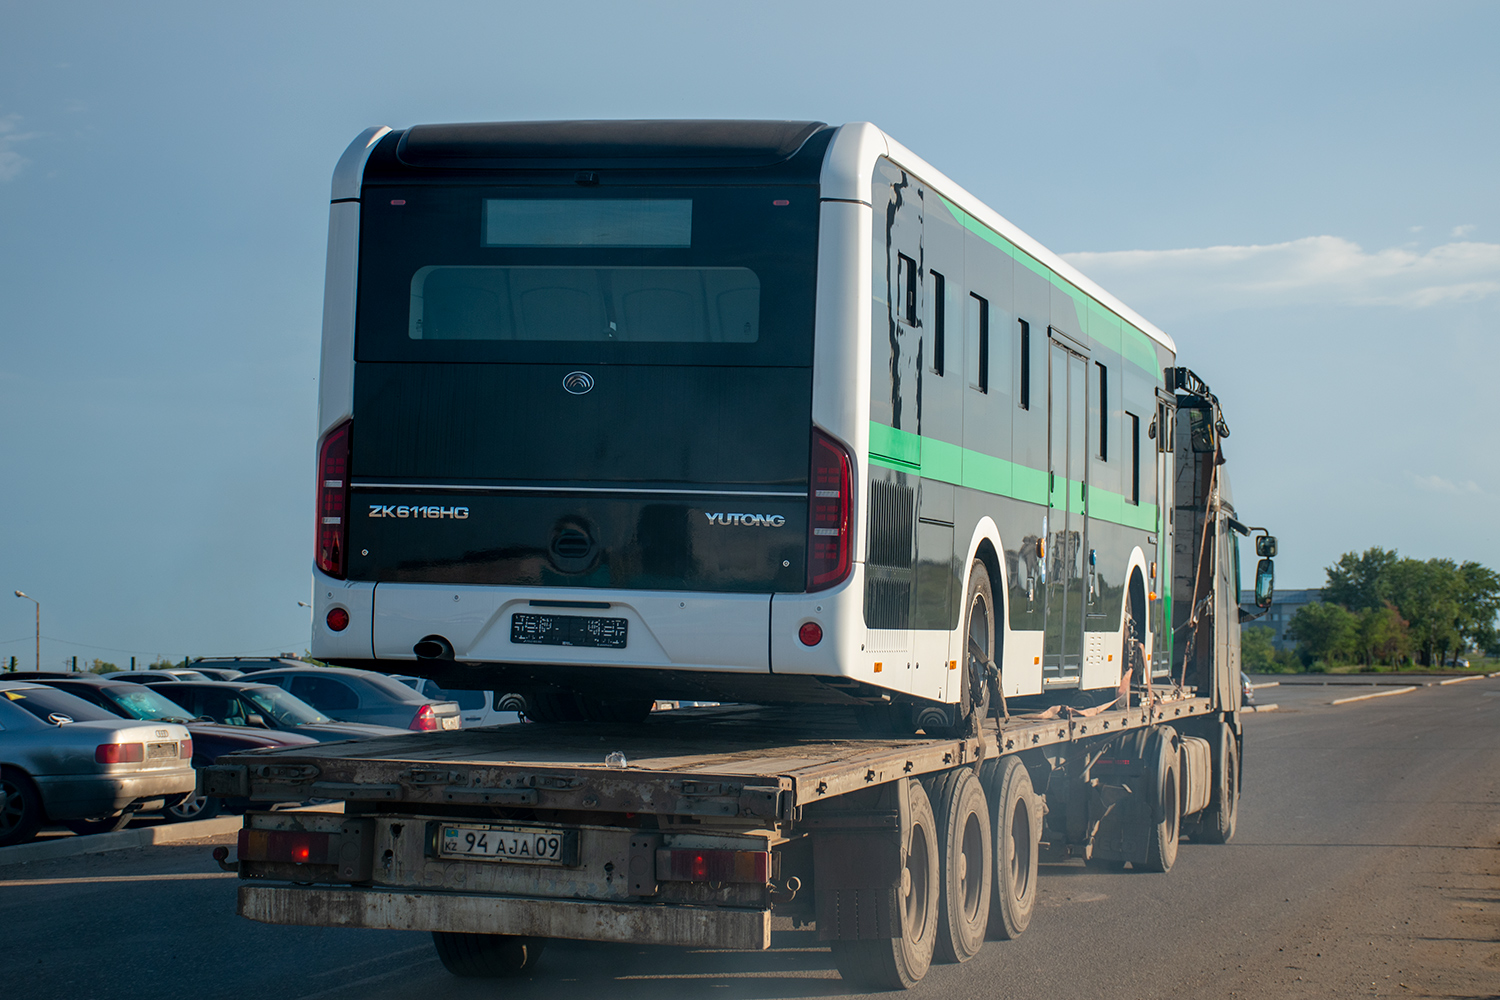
(903, 451)
(1137, 348)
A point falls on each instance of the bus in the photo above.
(759, 411)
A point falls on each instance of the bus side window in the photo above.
(1103, 412)
(906, 287)
(939, 320)
(1135, 458)
(979, 342)
(1025, 395)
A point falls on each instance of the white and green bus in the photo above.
(731, 410)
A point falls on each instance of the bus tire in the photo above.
(966, 864)
(900, 963)
(554, 707)
(978, 630)
(626, 709)
(487, 956)
(1015, 818)
(1217, 822)
(1166, 803)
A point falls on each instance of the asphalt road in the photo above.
(1367, 863)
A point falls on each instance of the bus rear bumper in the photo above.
(386, 909)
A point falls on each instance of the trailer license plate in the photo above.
(569, 630)
(533, 845)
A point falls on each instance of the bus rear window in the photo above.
(602, 222)
(703, 305)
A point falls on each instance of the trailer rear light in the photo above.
(810, 633)
(338, 619)
(674, 865)
(119, 753)
(185, 750)
(333, 500)
(829, 504)
(425, 720)
(300, 847)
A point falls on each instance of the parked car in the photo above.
(263, 706)
(220, 673)
(63, 760)
(1247, 691)
(364, 696)
(210, 740)
(475, 708)
(148, 676)
(243, 664)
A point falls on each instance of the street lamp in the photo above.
(38, 604)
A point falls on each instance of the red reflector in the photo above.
(185, 749)
(119, 753)
(781, 201)
(425, 720)
(811, 634)
(338, 619)
(713, 866)
(398, 201)
(297, 846)
(333, 500)
(828, 508)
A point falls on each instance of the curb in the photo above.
(1265, 684)
(1460, 680)
(1265, 708)
(97, 843)
(1377, 694)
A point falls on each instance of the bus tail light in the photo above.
(829, 510)
(333, 500)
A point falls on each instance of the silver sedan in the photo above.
(66, 761)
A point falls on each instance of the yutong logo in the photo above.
(578, 383)
(382, 510)
(748, 520)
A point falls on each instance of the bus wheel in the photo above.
(1217, 822)
(978, 637)
(1166, 804)
(1015, 811)
(963, 826)
(553, 707)
(900, 963)
(487, 956)
(627, 709)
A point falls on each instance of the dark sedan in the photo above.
(263, 706)
(365, 696)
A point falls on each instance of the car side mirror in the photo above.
(1265, 546)
(1265, 581)
(256, 720)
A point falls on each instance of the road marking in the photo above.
(1265, 684)
(1377, 694)
(1460, 680)
(119, 878)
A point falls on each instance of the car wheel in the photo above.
(193, 807)
(103, 824)
(20, 809)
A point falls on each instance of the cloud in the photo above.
(11, 161)
(1459, 232)
(1437, 484)
(1315, 270)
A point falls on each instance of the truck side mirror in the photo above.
(1265, 581)
(1265, 546)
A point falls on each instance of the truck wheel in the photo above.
(1015, 811)
(487, 956)
(101, 824)
(966, 864)
(900, 963)
(1217, 823)
(1166, 807)
(20, 809)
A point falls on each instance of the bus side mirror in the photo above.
(1265, 582)
(1265, 546)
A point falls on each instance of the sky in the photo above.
(1302, 195)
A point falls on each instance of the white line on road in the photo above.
(117, 878)
(1377, 694)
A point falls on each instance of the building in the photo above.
(1285, 605)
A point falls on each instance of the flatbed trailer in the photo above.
(698, 826)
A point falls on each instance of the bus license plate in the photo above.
(569, 630)
(533, 845)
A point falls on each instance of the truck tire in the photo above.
(487, 956)
(966, 864)
(1166, 803)
(20, 808)
(900, 963)
(1015, 817)
(1217, 822)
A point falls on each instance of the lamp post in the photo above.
(38, 604)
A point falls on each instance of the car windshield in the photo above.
(56, 707)
(284, 708)
(140, 702)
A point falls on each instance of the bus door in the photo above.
(1067, 515)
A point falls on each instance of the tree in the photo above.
(100, 667)
(1360, 582)
(1257, 654)
(1479, 602)
(1384, 636)
(1427, 595)
(1324, 631)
